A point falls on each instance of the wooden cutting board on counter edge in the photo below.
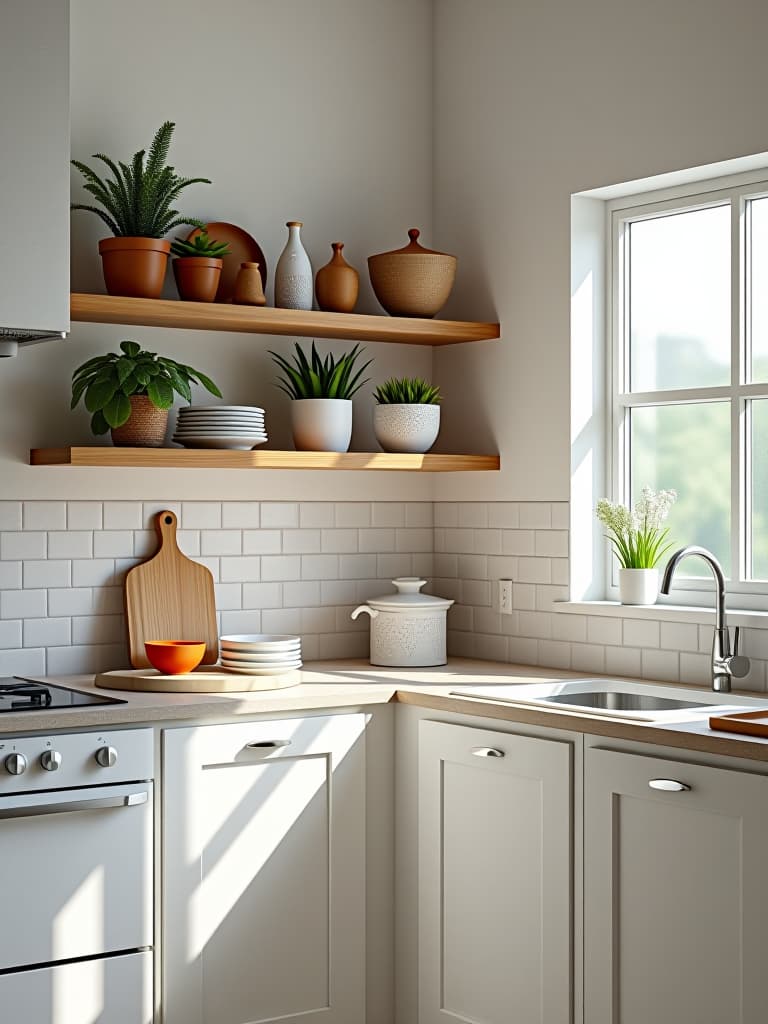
(749, 723)
(170, 597)
(213, 680)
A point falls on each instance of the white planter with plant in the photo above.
(321, 392)
(639, 541)
(406, 417)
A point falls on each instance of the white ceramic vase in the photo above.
(321, 424)
(406, 428)
(638, 586)
(293, 275)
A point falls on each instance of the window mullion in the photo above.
(741, 432)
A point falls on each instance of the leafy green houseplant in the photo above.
(321, 392)
(639, 540)
(406, 417)
(197, 267)
(137, 205)
(131, 391)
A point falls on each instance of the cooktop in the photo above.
(19, 694)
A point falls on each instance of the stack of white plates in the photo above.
(260, 654)
(220, 426)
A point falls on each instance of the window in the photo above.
(688, 372)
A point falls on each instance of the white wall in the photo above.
(536, 101)
(295, 109)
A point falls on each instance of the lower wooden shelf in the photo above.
(199, 458)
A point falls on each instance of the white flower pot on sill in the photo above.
(638, 586)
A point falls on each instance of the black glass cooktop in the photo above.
(17, 694)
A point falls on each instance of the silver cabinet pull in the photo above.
(487, 752)
(669, 785)
(97, 804)
(268, 744)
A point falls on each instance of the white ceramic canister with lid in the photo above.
(408, 629)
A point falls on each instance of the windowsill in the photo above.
(663, 612)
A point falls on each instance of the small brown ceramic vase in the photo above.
(144, 428)
(337, 284)
(197, 277)
(249, 290)
(134, 266)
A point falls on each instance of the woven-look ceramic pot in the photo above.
(134, 266)
(406, 428)
(144, 428)
(408, 629)
(412, 281)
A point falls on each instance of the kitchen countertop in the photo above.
(342, 684)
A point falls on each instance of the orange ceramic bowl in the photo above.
(174, 657)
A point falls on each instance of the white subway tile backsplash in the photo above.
(300, 542)
(446, 514)
(318, 620)
(604, 631)
(85, 515)
(338, 541)
(29, 662)
(487, 542)
(473, 514)
(552, 543)
(318, 567)
(555, 653)
(504, 515)
(201, 515)
(262, 542)
(417, 539)
(50, 632)
(18, 546)
(44, 515)
(473, 567)
(123, 515)
(301, 594)
(570, 627)
(240, 515)
(534, 570)
(229, 596)
(234, 622)
(338, 592)
(49, 572)
(419, 514)
(10, 634)
(23, 604)
(679, 636)
(355, 567)
(10, 515)
(281, 620)
(280, 515)
(388, 514)
(535, 515)
(641, 633)
(356, 514)
(68, 544)
(113, 544)
(587, 658)
(535, 624)
(376, 540)
(262, 595)
(518, 542)
(67, 661)
(662, 665)
(94, 572)
(221, 542)
(281, 567)
(623, 661)
(72, 601)
(316, 515)
(243, 569)
(560, 515)
(476, 593)
(10, 575)
(389, 567)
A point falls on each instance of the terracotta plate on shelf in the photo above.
(242, 248)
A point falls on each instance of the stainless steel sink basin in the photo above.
(615, 700)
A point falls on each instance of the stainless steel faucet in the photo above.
(726, 664)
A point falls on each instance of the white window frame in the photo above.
(736, 190)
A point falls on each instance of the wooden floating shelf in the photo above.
(213, 316)
(217, 458)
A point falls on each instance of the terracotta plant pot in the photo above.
(197, 277)
(134, 266)
(337, 284)
(412, 281)
(144, 428)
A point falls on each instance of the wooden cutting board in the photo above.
(214, 680)
(749, 723)
(170, 597)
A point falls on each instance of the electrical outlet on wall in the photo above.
(505, 597)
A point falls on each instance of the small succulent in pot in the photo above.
(131, 391)
(136, 204)
(406, 417)
(321, 392)
(197, 267)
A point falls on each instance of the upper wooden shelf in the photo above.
(210, 458)
(213, 316)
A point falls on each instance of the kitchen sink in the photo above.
(615, 700)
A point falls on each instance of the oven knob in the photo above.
(106, 757)
(15, 764)
(50, 760)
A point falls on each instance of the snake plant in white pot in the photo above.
(639, 541)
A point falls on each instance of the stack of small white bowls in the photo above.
(260, 654)
(220, 426)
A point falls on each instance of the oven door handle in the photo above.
(94, 804)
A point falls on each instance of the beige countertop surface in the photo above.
(347, 684)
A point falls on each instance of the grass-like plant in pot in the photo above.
(640, 541)
(136, 204)
(131, 391)
(321, 392)
(197, 267)
(406, 417)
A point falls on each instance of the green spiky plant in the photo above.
(137, 200)
(407, 391)
(320, 378)
(200, 245)
(108, 382)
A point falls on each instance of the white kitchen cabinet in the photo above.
(676, 902)
(495, 877)
(264, 872)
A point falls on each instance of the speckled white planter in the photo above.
(406, 428)
(321, 424)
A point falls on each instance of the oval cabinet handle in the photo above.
(487, 752)
(669, 785)
(268, 744)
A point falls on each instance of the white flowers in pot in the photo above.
(321, 393)
(639, 541)
(407, 415)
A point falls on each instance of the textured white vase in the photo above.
(293, 275)
(638, 586)
(406, 428)
(321, 424)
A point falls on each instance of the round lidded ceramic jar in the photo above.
(408, 629)
(412, 281)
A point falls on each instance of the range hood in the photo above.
(10, 338)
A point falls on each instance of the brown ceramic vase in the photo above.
(144, 428)
(197, 277)
(249, 290)
(412, 281)
(337, 284)
(134, 266)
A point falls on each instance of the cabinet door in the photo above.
(676, 902)
(494, 877)
(264, 872)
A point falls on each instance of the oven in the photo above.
(76, 855)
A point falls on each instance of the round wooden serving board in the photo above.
(210, 680)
